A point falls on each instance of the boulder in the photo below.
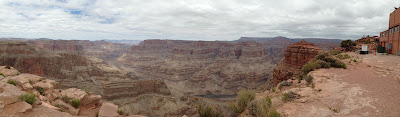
(65, 107)
(73, 93)
(8, 72)
(43, 111)
(43, 84)
(108, 110)
(90, 99)
(9, 94)
(18, 107)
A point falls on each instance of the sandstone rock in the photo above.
(43, 111)
(18, 107)
(8, 72)
(45, 85)
(74, 93)
(9, 94)
(108, 110)
(65, 107)
(296, 56)
(47, 105)
(90, 100)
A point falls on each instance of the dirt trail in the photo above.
(368, 88)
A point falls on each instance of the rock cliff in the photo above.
(28, 95)
(296, 56)
(92, 73)
(201, 67)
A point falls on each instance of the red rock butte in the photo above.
(296, 56)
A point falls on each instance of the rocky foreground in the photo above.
(369, 87)
(28, 95)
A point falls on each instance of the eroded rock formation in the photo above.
(296, 56)
(47, 99)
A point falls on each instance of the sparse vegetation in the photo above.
(309, 79)
(313, 85)
(272, 89)
(87, 91)
(289, 96)
(335, 52)
(11, 82)
(40, 90)
(262, 108)
(348, 45)
(286, 83)
(244, 97)
(28, 98)
(334, 110)
(76, 103)
(207, 111)
(1, 74)
(66, 99)
(323, 60)
(122, 112)
(7, 67)
(346, 56)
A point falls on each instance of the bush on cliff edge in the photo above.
(323, 60)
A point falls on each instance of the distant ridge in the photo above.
(280, 38)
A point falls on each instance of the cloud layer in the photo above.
(193, 19)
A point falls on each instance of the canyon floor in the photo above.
(369, 87)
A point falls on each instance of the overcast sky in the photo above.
(193, 19)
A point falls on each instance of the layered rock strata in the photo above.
(47, 100)
(201, 67)
(296, 56)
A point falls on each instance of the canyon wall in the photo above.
(92, 72)
(201, 67)
(296, 56)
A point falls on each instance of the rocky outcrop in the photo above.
(89, 71)
(47, 100)
(296, 56)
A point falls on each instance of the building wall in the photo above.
(394, 18)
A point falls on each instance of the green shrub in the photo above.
(323, 60)
(244, 97)
(87, 91)
(346, 56)
(313, 85)
(40, 90)
(66, 99)
(272, 89)
(348, 45)
(122, 112)
(286, 83)
(76, 103)
(262, 108)
(11, 82)
(1, 74)
(28, 98)
(207, 111)
(308, 79)
(289, 96)
(335, 52)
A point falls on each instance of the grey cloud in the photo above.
(194, 19)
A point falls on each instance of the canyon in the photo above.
(155, 77)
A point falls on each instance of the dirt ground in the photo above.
(369, 87)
